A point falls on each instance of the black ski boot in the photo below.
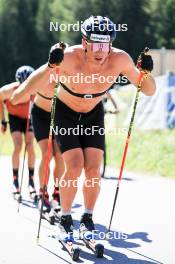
(16, 191)
(66, 228)
(86, 223)
(32, 190)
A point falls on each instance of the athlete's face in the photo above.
(97, 52)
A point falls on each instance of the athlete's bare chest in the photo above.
(84, 79)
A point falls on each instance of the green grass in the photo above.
(150, 152)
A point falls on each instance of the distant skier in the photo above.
(18, 115)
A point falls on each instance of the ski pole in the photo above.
(143, 74)
(48, 151)
(25, 150)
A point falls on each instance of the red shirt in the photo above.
(19, 110)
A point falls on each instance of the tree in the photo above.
(164, 23)
(18, 36)
(134, 14)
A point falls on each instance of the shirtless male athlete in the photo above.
(18, 115)
(79, 104)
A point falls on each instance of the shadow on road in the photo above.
(112, 256)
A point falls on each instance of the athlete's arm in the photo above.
(148, 86)
(7, 90)
(40, 78)
(1, 110)
(3, 123)
(35, 82)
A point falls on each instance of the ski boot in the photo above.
(32, 191)
(66, 237)
(87, 234)
(55, 203)
(16, 190)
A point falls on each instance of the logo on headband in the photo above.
(100, 38)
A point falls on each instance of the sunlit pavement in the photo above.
(144, 217)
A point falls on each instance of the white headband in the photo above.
(100, 38)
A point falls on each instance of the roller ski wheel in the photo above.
(99, 250)
(66, 237)
(91, 243)
(73, 250)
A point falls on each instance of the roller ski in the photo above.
(47, 213)
(32, 192)
(87, 234)
(55, 203)
(66, 237)
(16, 191)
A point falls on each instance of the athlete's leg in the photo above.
(59, 163)
(17, 141)
(57, 173)
(43, 144)
(91, 188)
(74, 163)
(29, 138)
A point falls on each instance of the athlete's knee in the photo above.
(58, 158)
(74, 168)
(29, 146)
(17, 146)
(92, 172)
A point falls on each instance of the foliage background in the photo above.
(25, 37)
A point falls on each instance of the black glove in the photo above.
(56, 54)
(3, 126)
(145, 62)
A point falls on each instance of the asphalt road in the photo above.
(144, 222)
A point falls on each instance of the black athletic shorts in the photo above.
(40, 122)
(79, 130)
(18, 124)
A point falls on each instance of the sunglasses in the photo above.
(104, 47)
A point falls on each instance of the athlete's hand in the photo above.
(3, 126)
(56, 54)
(145, 62)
